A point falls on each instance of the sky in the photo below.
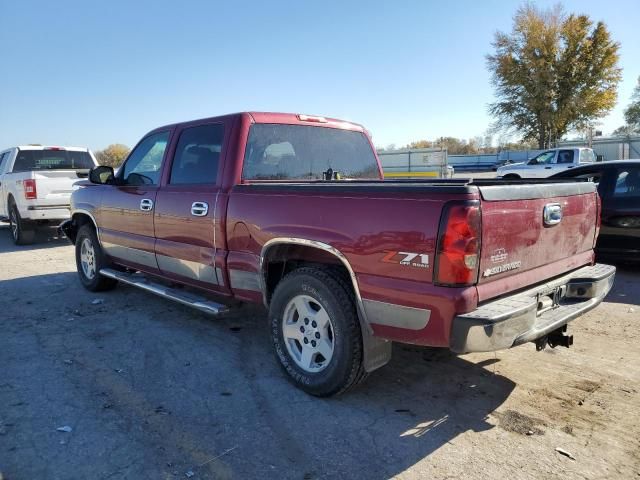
(95, 73)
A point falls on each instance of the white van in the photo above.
(36, 184)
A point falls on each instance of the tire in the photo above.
(90, 259)
(20, 232)
(511, 176)
(329, 319)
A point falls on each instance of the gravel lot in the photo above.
(154, 390)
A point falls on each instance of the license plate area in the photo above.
(550, 299)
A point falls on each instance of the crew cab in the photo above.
(291, 211)
(36, 184)
(548, 163)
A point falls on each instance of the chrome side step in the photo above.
(185, 298)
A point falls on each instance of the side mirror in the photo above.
(101, 175)
(532, 161)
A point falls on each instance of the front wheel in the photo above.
(316, 333)
(90, 259)
(511, 176)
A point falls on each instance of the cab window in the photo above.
(197, 155)
(144, 162)
(627, 183)
(542, 159)
(3, 157)
(565, 156)
(587, 156)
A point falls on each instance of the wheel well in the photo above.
(281, 259)
(511, 175)
(79, 220)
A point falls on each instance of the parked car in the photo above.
(548, 163)
(291, 211)
(36, 184)
(619, 188)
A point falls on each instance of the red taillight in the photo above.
(30, 192)
(458, 252)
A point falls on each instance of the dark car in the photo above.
(619, 188)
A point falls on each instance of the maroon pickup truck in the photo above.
(290, 211)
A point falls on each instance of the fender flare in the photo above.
(376, 351)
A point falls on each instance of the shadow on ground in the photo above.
(627, 278)
(154, 390)
(48, 237)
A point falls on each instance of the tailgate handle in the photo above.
(552, 214)
(199, 209)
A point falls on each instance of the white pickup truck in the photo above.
(36, 184)
(548, 163)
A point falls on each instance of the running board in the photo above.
(185, 298)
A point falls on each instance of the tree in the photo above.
(553, 73)
(631, 115)
(113, 155)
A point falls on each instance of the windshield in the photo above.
(300, 152)
(28, 160)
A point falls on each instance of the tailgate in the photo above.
(54, 187)
(516, 238)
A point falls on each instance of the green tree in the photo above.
(554, 72)
(113, 155)
(632, 112)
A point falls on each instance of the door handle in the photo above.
(146, 204)
(547, 168)
(199, 209)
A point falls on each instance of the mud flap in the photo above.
(376, 351)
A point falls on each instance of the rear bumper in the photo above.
(46, 212)
(532, 314)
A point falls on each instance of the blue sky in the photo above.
(95, 73)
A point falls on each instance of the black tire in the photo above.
(329, 290)
(21, 232)
(97, 282)
(511, 176)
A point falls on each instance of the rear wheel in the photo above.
(90, 259)
(316, 332)
(20, 231)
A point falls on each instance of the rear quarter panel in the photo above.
(367, 228)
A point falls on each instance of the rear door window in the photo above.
(52, 159)
(145, 161)
(301, 152)
(627, 183)
(197, 156)
(565, 156)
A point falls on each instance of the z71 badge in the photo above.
(410, 259)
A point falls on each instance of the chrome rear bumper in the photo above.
(532, 314)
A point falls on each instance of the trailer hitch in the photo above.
(557, 338)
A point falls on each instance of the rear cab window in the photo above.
(587, 156)
(52, 159)
(302, 152)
